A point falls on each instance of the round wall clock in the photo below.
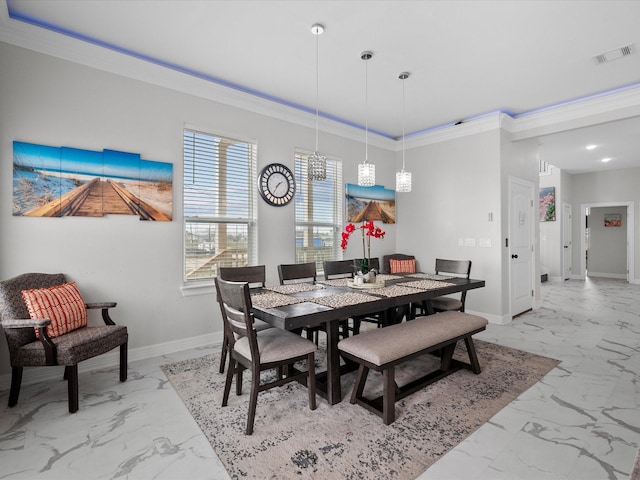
(276, 184)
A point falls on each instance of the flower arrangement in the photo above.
(369, 230)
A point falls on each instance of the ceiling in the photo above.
(466, 58)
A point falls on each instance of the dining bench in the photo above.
(384, 348)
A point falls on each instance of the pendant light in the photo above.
(366, 170)
(403, 178)
(317, 163)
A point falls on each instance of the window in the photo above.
(219, 203)
(318, 213)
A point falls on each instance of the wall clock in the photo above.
(276, 184)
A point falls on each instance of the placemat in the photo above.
(343, 299)
(273, 300)
(294, 288)
(384, 276)
(427, 284)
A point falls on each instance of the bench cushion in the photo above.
(388, 344)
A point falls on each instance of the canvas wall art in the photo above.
(547, 204)
(612, 220)
(370, 203)
(61, 181)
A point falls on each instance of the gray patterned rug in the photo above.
(345, 441)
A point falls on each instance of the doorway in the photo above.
(630, 228)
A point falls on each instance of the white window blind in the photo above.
(219, 203)
(319, 206)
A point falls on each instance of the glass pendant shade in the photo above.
(366, 174)
(317, 163)
(403, 181)
(317, 167)
(403, 178)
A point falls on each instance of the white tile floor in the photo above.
(581, 422)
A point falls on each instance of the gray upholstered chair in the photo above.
(69, 349)
(255, 276)
(272, 349)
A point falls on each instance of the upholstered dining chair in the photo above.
(272, 349)
(456, 268)
(255, 276)
(44, 319)
(300, 273)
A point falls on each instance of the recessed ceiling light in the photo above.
(606, 159)
(591, 147)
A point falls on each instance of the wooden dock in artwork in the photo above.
(97, 198)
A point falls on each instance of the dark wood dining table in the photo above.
(327, 302)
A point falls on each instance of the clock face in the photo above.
(276, 184)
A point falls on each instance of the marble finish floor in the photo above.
(581, 422)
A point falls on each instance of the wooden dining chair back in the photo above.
(297, 272)
(374, 262)
(272, 349)
(255, 276)
(338, 269)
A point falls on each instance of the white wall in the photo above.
(50, 101)
(551, 232)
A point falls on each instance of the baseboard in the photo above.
(622, 276)
(111, 359)
(497, 319)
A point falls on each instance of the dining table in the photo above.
(299, 305)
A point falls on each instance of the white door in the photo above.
(520, 243)
(566, 241)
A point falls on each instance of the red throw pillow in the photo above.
(402, 266)
(62, 304)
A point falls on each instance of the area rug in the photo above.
(345, 441)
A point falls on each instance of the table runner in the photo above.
(273, 300)
(427, 284)
(294, 288)
(431, 276)
(343, 299)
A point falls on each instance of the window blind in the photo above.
(219, 203)
(318, 212)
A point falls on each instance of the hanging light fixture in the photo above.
(403, 178)
(366, 170)
(317, 163)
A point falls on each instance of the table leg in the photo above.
(334, 393)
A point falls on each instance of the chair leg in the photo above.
(253, 400)
(228, 381)
(311, 382)
(123, 362)
(71, 372)
(223, 355)
(16, 381)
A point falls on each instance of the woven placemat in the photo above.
(431, 276)
(294, 288)
(395, 291)
(383, 277)
(343, 299)
(427, 284)
(273, 300)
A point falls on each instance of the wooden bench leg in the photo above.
(447, 356)
(473, 357)
(361, 379)
(388, 396)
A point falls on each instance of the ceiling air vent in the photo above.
(614, 54)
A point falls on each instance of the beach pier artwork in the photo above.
(61, 181)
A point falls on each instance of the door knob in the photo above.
(514, 256)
